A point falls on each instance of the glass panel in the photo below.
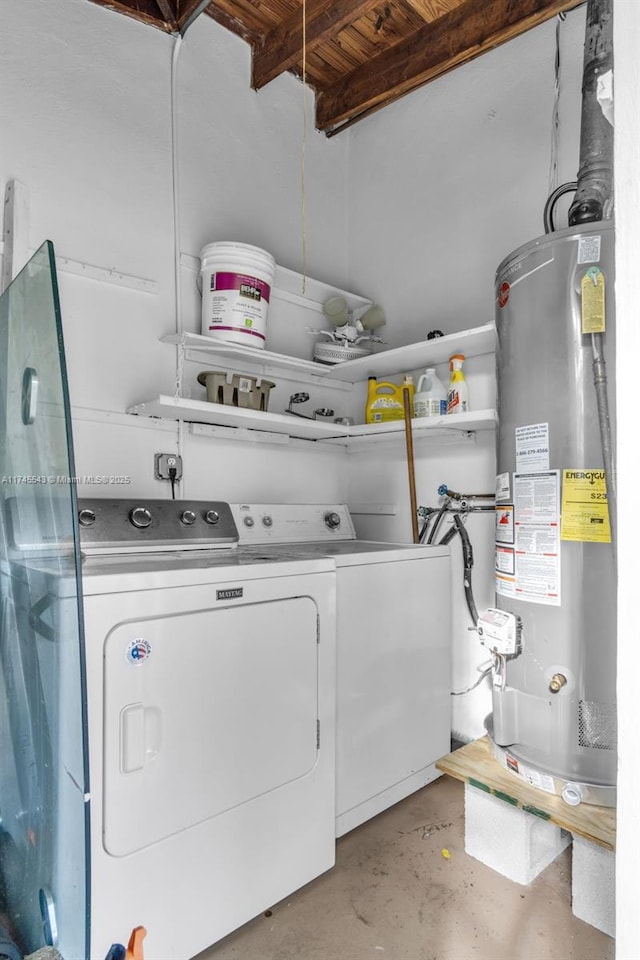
(43, 763)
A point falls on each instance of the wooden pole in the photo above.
(406, 396)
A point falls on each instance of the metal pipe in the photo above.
(595, 177)
(193, 15)
(443, 491)
(602, 401)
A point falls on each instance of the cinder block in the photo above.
(511, 841)
(593, 885)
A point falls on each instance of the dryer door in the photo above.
(204, 711)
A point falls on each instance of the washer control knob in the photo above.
(248, 521)
(188, 517)
(86, 517)
(332, 520)
(267, 521)
(140, 517)
(212, 516)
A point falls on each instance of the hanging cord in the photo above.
(554, 192)
(555, 116)
(175, 185)
(303, 158)
(175, 193)
(177, 283)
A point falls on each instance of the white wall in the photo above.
(450, 179)
(87, 128)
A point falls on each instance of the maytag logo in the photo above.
(232, 594)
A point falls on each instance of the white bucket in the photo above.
(236, 288)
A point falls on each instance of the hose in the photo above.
(467, 553)
(448, 537)
(423, 529)
(549, 226)
(439, 515)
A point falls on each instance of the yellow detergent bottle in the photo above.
(385, 400)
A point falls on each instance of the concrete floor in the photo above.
(393, 896)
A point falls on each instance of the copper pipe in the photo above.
(406, 396)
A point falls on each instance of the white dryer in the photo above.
(393, 679)
(210, 711)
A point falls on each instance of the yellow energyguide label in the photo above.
(593, 312)
(585, 512)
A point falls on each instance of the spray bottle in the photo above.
(458, 393)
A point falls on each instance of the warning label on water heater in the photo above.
(585, 511)
(535, 573)
(532, 447)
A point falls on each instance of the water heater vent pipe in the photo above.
(593, 199)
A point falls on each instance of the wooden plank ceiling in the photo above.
(357, 55)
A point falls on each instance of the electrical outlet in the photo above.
(165, 462)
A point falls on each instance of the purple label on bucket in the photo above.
(250, 287)
(252, 333)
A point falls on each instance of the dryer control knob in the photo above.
(188, 517)
(332, 520)
(248, 521)
(86, 517)
(267, 521)
(140, 517)
(212, 516)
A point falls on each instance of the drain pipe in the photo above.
(593, 199)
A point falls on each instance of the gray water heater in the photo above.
(553, 631)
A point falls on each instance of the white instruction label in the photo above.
(503, 487)
(589, 249)
(536, 554)
(532, 447)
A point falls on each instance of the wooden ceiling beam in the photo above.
(186, 9)
(147, 11)
(461, 35)
(233, 24)
(281, 48)
(167, 11)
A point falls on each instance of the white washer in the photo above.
(393, 683)
(211, 711)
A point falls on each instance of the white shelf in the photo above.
(201, 411)
(472, 343)
(475, 342)
(424, 427)
(240, 356)
(479, 340)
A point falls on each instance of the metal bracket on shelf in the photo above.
(238, 433)
(441, 436)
